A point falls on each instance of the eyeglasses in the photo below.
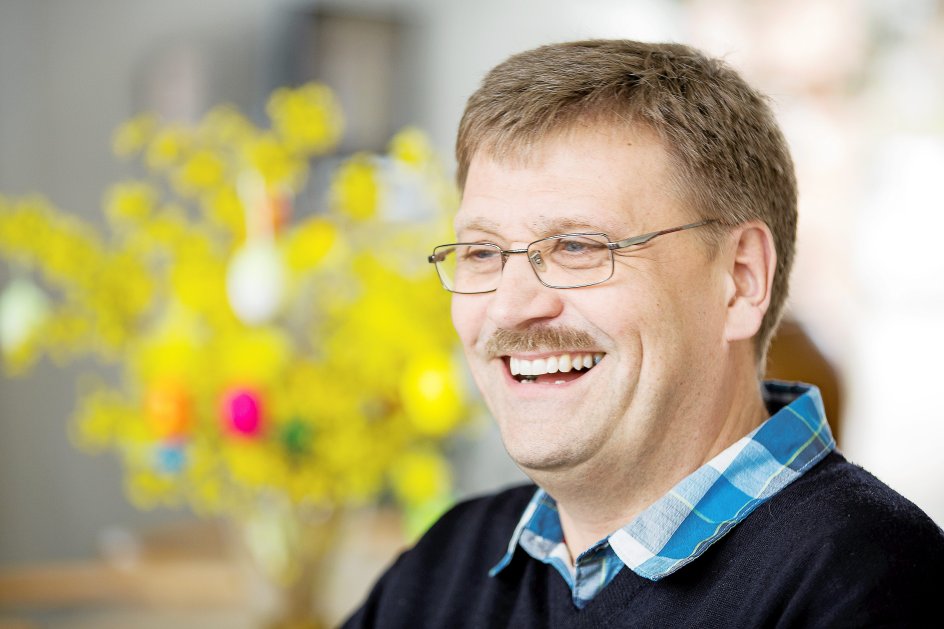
(561, 261)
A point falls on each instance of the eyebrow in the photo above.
(560, 225)
(542, 225)
(480, 225)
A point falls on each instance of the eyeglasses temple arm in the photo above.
(641, 240)
(440, 254)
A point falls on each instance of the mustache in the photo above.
(504, 342)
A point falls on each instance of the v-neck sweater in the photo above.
(836, 548)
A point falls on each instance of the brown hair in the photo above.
(731, 159)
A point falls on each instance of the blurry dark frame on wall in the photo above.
(367, 57)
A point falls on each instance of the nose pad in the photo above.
(537, 261)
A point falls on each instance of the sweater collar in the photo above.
(699, 510)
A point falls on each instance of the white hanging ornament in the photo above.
(23, 308)
(255, 281)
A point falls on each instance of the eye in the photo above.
(569, 245)
(478, 254)
(577, 252)
(578, 246)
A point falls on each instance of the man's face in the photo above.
(653, 329)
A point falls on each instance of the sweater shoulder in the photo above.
(840, 520)
(437, 579)
(837, 495)
(836, 547)
(468, 539)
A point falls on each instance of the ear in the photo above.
(750, 278)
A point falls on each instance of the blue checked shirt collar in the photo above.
(698, 511)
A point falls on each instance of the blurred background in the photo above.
(857, 85)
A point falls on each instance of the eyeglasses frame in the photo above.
(612, 246)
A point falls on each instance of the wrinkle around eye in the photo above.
(636, 258)
(634, 251)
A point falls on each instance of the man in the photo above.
(625, 239)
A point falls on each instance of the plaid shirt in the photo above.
(698, 511)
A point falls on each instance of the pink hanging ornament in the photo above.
(241, 411)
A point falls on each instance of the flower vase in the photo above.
(288, 551)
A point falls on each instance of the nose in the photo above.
(521, 299)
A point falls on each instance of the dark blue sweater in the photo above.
(837, 548)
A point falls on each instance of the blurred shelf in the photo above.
(169, 582)
(187, 575)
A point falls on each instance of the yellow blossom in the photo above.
(131, 137)
(148, 490)
(420, 475)
(104, 418)
(411, 147)
(208, 491)
(256, 355)
(309, 243)
(355, 190)
(252, 463)
(167, 147)
(225, 127)
(67, 332)
(174, 351)
(131, 201)
(167, 229)
(224, 208)
(199, 283)
(200, 171)
(307, 119)
(274, 162)
(19, 360)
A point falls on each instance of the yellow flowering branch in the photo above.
(262, 353)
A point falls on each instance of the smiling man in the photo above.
(624, 243)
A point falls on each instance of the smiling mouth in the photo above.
(556, 369)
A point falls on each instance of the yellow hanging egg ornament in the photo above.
(430, 394)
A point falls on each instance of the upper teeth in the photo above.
(553, 364)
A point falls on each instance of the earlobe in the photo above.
(750, 277)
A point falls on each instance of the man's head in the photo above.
(730, 161)
(618, 139)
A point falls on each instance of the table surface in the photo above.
(187, 575)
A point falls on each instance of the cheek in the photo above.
(468, 312)
(655, 323)
(694, 312)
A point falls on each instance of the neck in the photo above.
(602, 495)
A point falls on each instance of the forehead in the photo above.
(587, 179)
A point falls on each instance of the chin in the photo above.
(536, 454)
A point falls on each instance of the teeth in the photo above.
(553, 364)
